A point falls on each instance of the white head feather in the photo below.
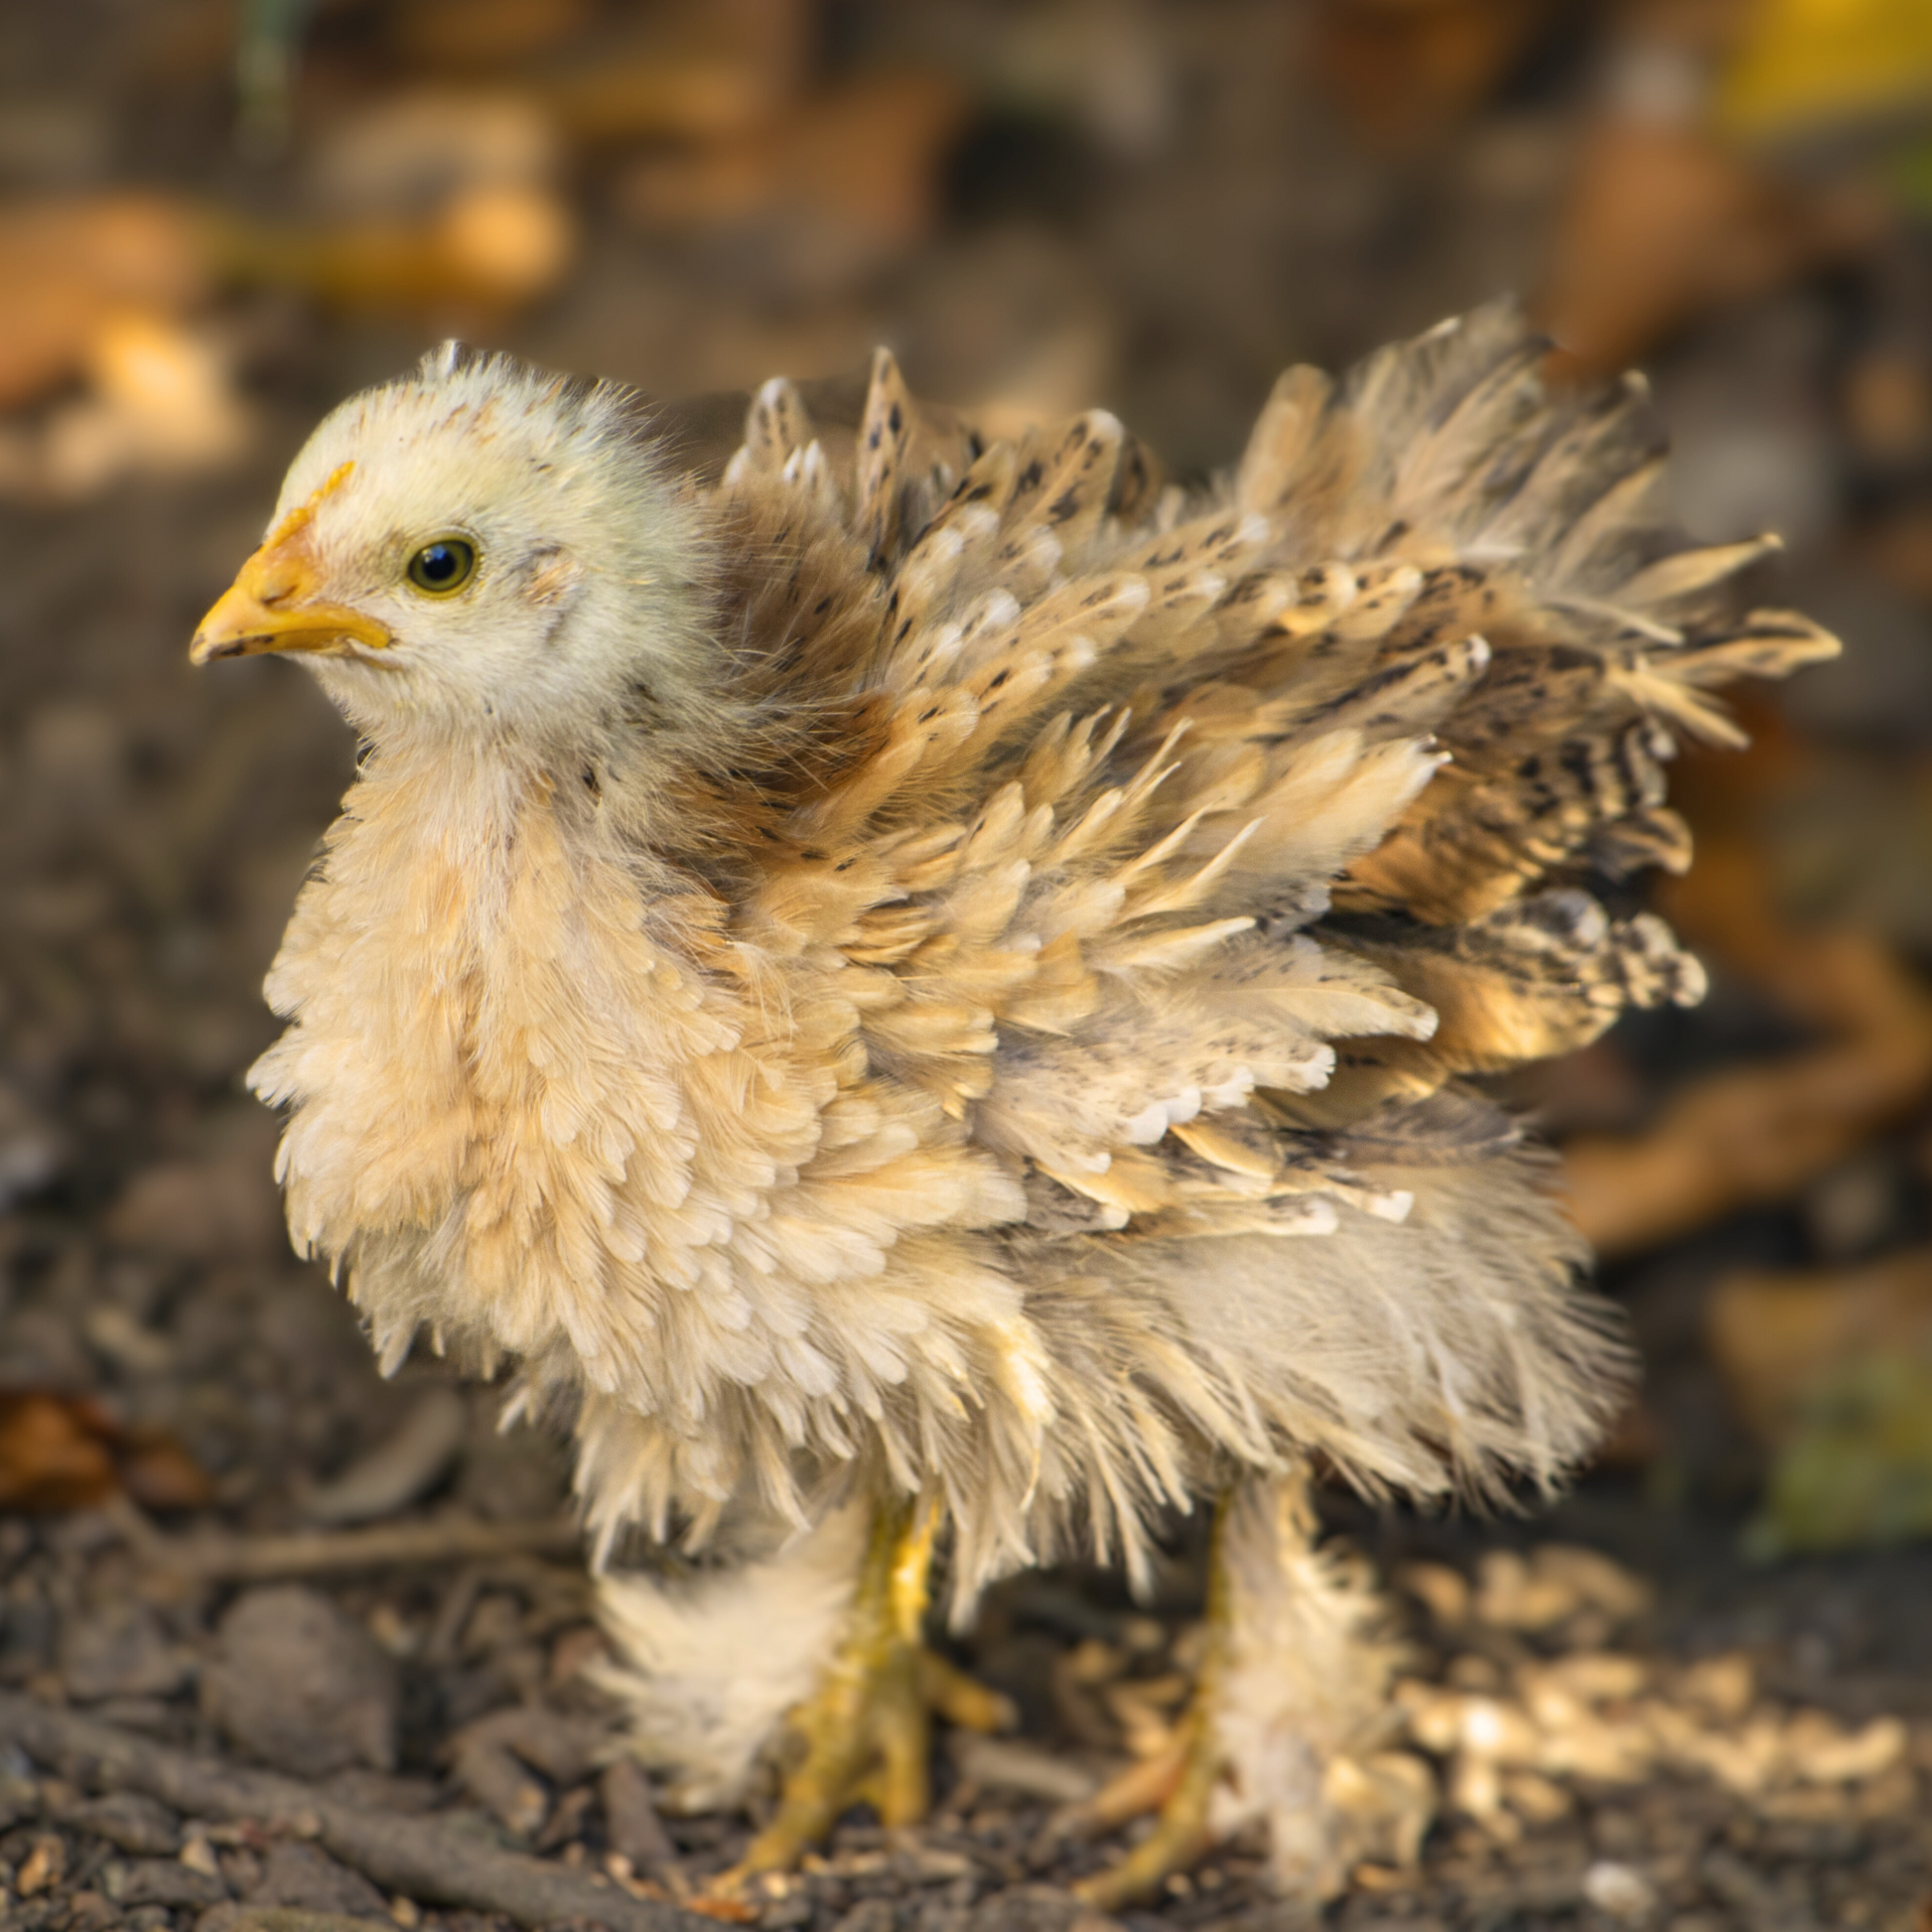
(584, 603)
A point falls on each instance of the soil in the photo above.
(1674, 1736)
(154, 826)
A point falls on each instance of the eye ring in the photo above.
(442, 566)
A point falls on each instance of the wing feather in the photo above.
(1187, 854)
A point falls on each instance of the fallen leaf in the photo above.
(852, 174)
(1805, 64)
(44, 1867)
(161, 400)
(1409, 69)
(700, 70)
(492, 246)
(732, 1911)
(1663, 222)
(67, 264)
(483, 36)
(62, 1453)
(50, 1459)
(1774, 1336)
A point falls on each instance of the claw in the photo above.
(961, 1700)
(866, 1733)
(1180, 1835)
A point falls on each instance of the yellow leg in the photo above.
(1180, 1781)
(866, 1732)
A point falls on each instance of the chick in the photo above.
(928, 997)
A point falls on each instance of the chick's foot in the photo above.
(1182, 1783)
(1285, 1736)
(865, 1734)
(1177, 1783)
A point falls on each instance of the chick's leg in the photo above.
(1177, 1783)
(1282, 1730)
(865, 1732)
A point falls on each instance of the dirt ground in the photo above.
(222, 1514)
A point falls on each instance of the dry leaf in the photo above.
(68, 265)
(62, 1453)
(493, 245)
(1775, 1337)
(1803, 63)
(852, 174)
(1663, 222)
(1408, 70)
(481, 36)
(50, 1456)
(700, 70)
(161, 400)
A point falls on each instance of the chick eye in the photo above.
(442, 566)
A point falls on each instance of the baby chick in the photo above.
(925, 994)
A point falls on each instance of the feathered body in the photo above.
(931, 965)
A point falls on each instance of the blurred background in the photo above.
(218, 217)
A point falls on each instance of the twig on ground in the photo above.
(387, 1546)
(630, 1817)
(280, 1918)
(484, 1757)
(420, 1858)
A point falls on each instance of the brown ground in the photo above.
(1676, 1738)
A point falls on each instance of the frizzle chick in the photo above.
(925, 995)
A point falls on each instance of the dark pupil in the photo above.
(440, 563)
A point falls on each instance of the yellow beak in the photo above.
(272, 605)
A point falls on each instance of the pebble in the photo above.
(1620, 1891)
(120, 1652)
(301, 1686)
(128, 1823)
(305, 1877)
(160, 1881)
